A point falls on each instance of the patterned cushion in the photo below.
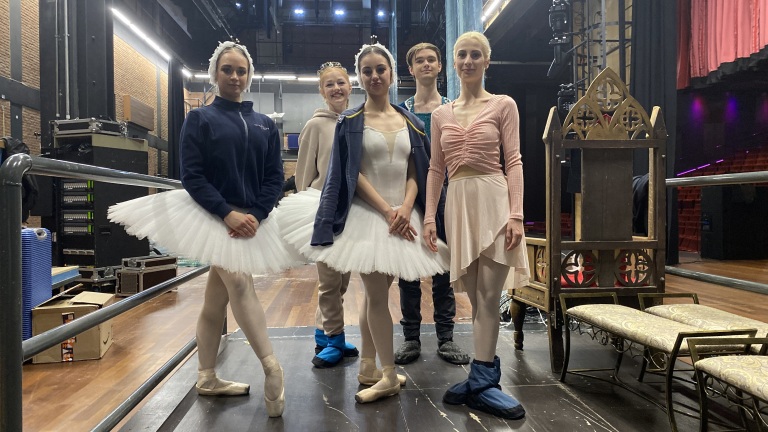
(635, 325)
(746, 372)
(708, 318)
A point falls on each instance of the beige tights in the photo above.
(236, 289)
(376, 326)
(484, 281)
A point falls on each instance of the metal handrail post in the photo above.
(57, 168)
(37, 344)
(11, 173)
(119, 413)
(719, 179)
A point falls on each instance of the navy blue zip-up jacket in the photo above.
(230, 156)
(344, 168)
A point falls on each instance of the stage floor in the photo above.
(323, 399)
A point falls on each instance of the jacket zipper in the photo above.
(245, 154)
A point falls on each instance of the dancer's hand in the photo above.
(399, 223)
(241, 225)
(514, 233)
(430, 236)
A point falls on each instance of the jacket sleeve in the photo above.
(334, 190)
(306, 163)
(273, 178)
(193, 158)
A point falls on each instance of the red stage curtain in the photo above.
(683, 43)
(713, 32)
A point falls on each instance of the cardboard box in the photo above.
(91, 344)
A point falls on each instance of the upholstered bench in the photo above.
(743, 379)
(700, 316)
(662, 340)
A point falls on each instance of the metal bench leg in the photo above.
(620, 348)
(668, 390)
(517, 311)
(644, 364)
(567, 354)
(701, 386)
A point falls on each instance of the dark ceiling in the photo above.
(281, 40)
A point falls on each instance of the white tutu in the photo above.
(365, 245)
(176, 222)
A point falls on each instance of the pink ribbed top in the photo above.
(477, 146)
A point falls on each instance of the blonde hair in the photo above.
(485, 46)
(329, 67)
(418, 47)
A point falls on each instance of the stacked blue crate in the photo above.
(293, 141)
(35, 273)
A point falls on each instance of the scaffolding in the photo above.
(590, 35)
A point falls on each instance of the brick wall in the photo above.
(135, 76)
(152, 168)
(164, 164)
(30, 44)
(5, 38)
(163, 132)
(5, 117)
(30, 68)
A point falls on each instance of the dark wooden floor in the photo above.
(76, 396)
(321, 399)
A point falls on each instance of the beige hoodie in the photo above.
(315, 142)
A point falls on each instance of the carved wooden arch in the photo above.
(608, 111)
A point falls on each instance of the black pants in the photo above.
(443, 299)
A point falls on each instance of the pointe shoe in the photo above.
(209, 385)
(271, 366)
(369, 375)
(373, 394)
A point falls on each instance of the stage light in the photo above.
(560, 23)
(559, 17)
(149, 41)
(280, 77)
(298, 11)
(380, 13)
(566, 98)
(339, 12)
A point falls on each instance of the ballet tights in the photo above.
(483, 282)
(376, 326)
(236, 289)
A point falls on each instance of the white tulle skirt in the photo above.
(176, 222)
(365, 246)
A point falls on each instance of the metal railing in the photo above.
(14, 351)
(717, 180)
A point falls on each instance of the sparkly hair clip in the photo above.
(327, 65)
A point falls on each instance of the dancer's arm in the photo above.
(435, 181)
(401, 223)
(367, 192)
(510, 135)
